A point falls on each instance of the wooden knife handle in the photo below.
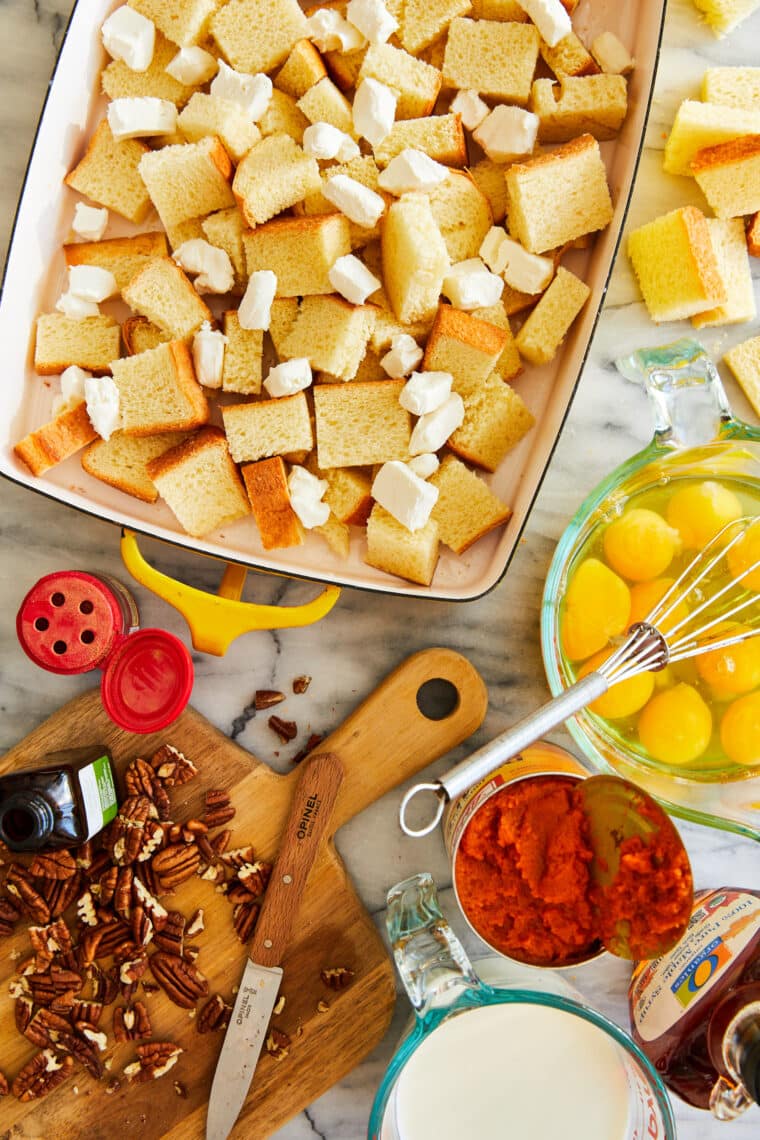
(307, 823)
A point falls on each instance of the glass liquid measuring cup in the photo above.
(518, 1055)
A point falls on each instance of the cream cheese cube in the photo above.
(89, 222)
(403, 356)
(129, 36)
(491, 249)
(306, 492)
(141, 117)
(611, 55)
(550, 17)
(324, 141)
(374, 110)
(433, 429)
(526, 272)
(102, 398)
(212, 264)
(404, 495)
(372, 18)
(424, 465)
(425, 391)
(289, 377)
(208, 356)
(470, 285)
(507, 133)
(251, 92)
(255, 307)
(92, 283)
(75, 307)
(412, 170)
(350, 277)
(192, 66)
(360, 204)
(329, 31)
(471, 107)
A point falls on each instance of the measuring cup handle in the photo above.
(215, 620)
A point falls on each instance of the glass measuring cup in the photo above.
(518, 1055)
(696, 438)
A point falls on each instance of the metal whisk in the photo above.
(646, 648)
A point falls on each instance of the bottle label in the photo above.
(98, 794)
(722, 925)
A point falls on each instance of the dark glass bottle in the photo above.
(68, 799)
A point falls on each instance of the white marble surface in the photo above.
(367, 635)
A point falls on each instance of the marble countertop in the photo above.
(367, 635)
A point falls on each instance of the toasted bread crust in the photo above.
(458, 325)
(753, 235)
(57, 440)
(176, 456)
(73, 178)
(703, 254)
(566, 150)
(267, 487)
(726, 153)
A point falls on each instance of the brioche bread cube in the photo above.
(568, 57)
(283, 117)
(495, 420)
(362, 169)
(336, 534)
(492, 58)
(700, 125)
(283, 317)
(225, 230)
(546, 327)
(267, 485)
(200, 483)
(300, 251)
(301, 70)
(108, 173)
(753, 235)
(466, 508)
(348, 494)
(396, 550)
(595, 104)
(415, 83)
(93, 343)
(255, 36)
(124, 256)
(331, 333)
(268, 427)
(415, 260)
(488, 176)
(274, 175)
(57, 440)
(425, 21)
(466, 347)
(440, 136)
(208, 116)
(122, 461)
(675, 265)
(744, 361)
(730, 247)
(722, 16)
(509, 364)
(729, 176)
(188, 180)
(325, 103)
(498, 10)
(343, 67)
(732, 86)
(542, 218)
(163, 293)
(120, 82)
(181, 232)
(158, 391)
(241, 369)
(387, 327)
(184, 22)
(463, 214)
(361, 423)
(139, 335)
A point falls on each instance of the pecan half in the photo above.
(89, 1011)
(22, 1012)
(101, 861)
(155, 1059)
(221, 842)
(267, 698)
(196, 923)
(132, 969)
(301, 684)
(244, 918)
(315, 739)
(175, 864)
(53, 865)
(122, 896)
(19, 883)
(104, 984)
(172, 766)
(218, 809)
(337, 977)
(41, 1075)
(254, 877)
(153, 838)
(181, 981)
(142, 926)
(126, 835)
(149, 878)
(238, 857)
(115, 935)
(105, 888)
(4, 1089)
(277, 1044)
(287, 730)
(89, 946)
(140, 779)
(215, 1014)
(55, 938)
(131, 1023)
(9, 916)
(44, 1028)
(145, 898)
(83, 1051)
(171, 936)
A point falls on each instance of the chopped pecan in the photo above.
(22, 1012)
(59, 894)
(126, 835)
(96, 1038)
(196, 923)
(113, 1086)
(254, 877)
(131, 1023)
(9, 916)
(218, 809)
(142, 926)
(153, 838)
(237, 893)
(279, 1005)
(287, 730)
(53, 865)
(221, 842)
(149, 988)
(19, 883)
(181, 981)
(191, 953)
(4, 1089)
(266, 698)
(89, 946)
(149, 878)
(179, 1089)
(104, 984)
(315, 739)
(84, 855)
(101, 861)
(175, 864)
(54, 938)
(45, 1027)
(337, 977)
(89, 1011)
(83, 1051)
(301, 684)
(105, 889)
(238, 857)
(215, 1014)
(208, 854)
(172, 766)
(154, 1060)
(115, 935)
(244, 918)
(122, 897)
(277, 1044)
(145, 897)
(141, 779)
(41, 1075)
(132, 969)
(172, 935)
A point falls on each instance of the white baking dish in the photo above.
(35, 275)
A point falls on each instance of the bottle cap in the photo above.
(147, 681)
(69, 622)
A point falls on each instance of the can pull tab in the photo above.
(442, 797)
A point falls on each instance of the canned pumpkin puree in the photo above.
(521, 854)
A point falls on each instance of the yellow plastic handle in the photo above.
(215, 620)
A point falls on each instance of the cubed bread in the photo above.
(208, 116)
(361, 423)
(732, 86)
(729, 176)
(415, 84)
(180, 232)
(123, 256)
(93, 343)
(387, 326)
(362, 169)
(541, 217)
(498, 10)
(611, 54)
(396, 550)
(753, 235)
(301, 70)
(274, 175)
(425, 21)
(267, 485)
(256, 36)
(57, 440)
(492, 57)
(109, 174)
(730, 247)
(184, 22)
(189, 180)
(158, 391)
(463, 215)
(225, 230)
(488, 176)
(700, 125)
(119, 81)
(722, 16)
(331, 333)
(200, 483)
(326, 103)
(415, 259)
(495, 419)
(440, 136)
(568, 57)
(139, 335)
(300, 251)
(283, 317)
(268, 427)
(744, 361)
(337, 536)
(241, 370)
(163, 293)
(675, 265)
(122, 461)
(466, 508)
(348, 494)
(344, 66)
(509, 364)
(463, 345)
(283, 116)
(594, 104)
(547, 325)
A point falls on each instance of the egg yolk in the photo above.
(623, 699)
(744, 554)
(734, 669)
(646, 595)
(740, 730)
(699, 510)
(676, 726)
(597, 606)
(640, 544)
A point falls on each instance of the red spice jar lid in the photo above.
(69, 622)
(147, 681)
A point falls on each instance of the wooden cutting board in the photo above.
(384, 741)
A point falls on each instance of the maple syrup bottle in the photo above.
(67, 800)
(695, 1011)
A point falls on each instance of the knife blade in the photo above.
(307, 822)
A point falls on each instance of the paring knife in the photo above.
(313, 802)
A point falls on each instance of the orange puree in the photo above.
(522, 872)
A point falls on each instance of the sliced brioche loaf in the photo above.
(189, 180)
(440, 136)
(492, 57)
(208, 116)
(274, 175)
(164, 294)
(124, 256)
(300, 251)
(415, 259)
(301, 70)
(415, 83)
(122, 461)
(675, 264)
(267, 485)
(93, 343)
(729, 176)
(396, 550)
(119, 81)
(463, 215)
(200, 483)
(594, 104)
(547, 326)
(331, 333)
(268, 427)
(730, 247)
(158, 391)
(466, 508)
(256, 36)
(241, 371)
(361, 423)
(495, 419)
(732, 86)
(744, 361)
(139, 335)
(466, 347)
(109, 174)
(699, 125)
(57, 440)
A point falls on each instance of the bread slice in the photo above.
(488, 176)
(57, 440)
(300, 251)
(268, 427)
(569, 57)
(241, 370)
(361, 423)
(200, 483)
(93, 343)
(540, 218)
(675, 264)
(495, 420)
(466, 509)
(208, 116)
(722, 16)
(425, 21)
(274, 175)
(108, 173)
(124, 256)
(283, 117)
(120, 82)
(415, 83)
(139, 335)
(401, 552)
(547, 326)
(729, 176)
(225, 230)
(594, 104)
(189, 180)
(326, 103)
(267, 485)
(331, 333)
(700, 125)
(301, 70)
(466, 347)
(163, 293)
(492, 57)
(122, 461)
(744, 361)
(415, 259)
(732, 86)
(281, 321)
(463, 214)
(730, 246)
(753, 235)
(158, 391)
(183, 21)
(509, 364)
(440, 136)
(256, 36)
